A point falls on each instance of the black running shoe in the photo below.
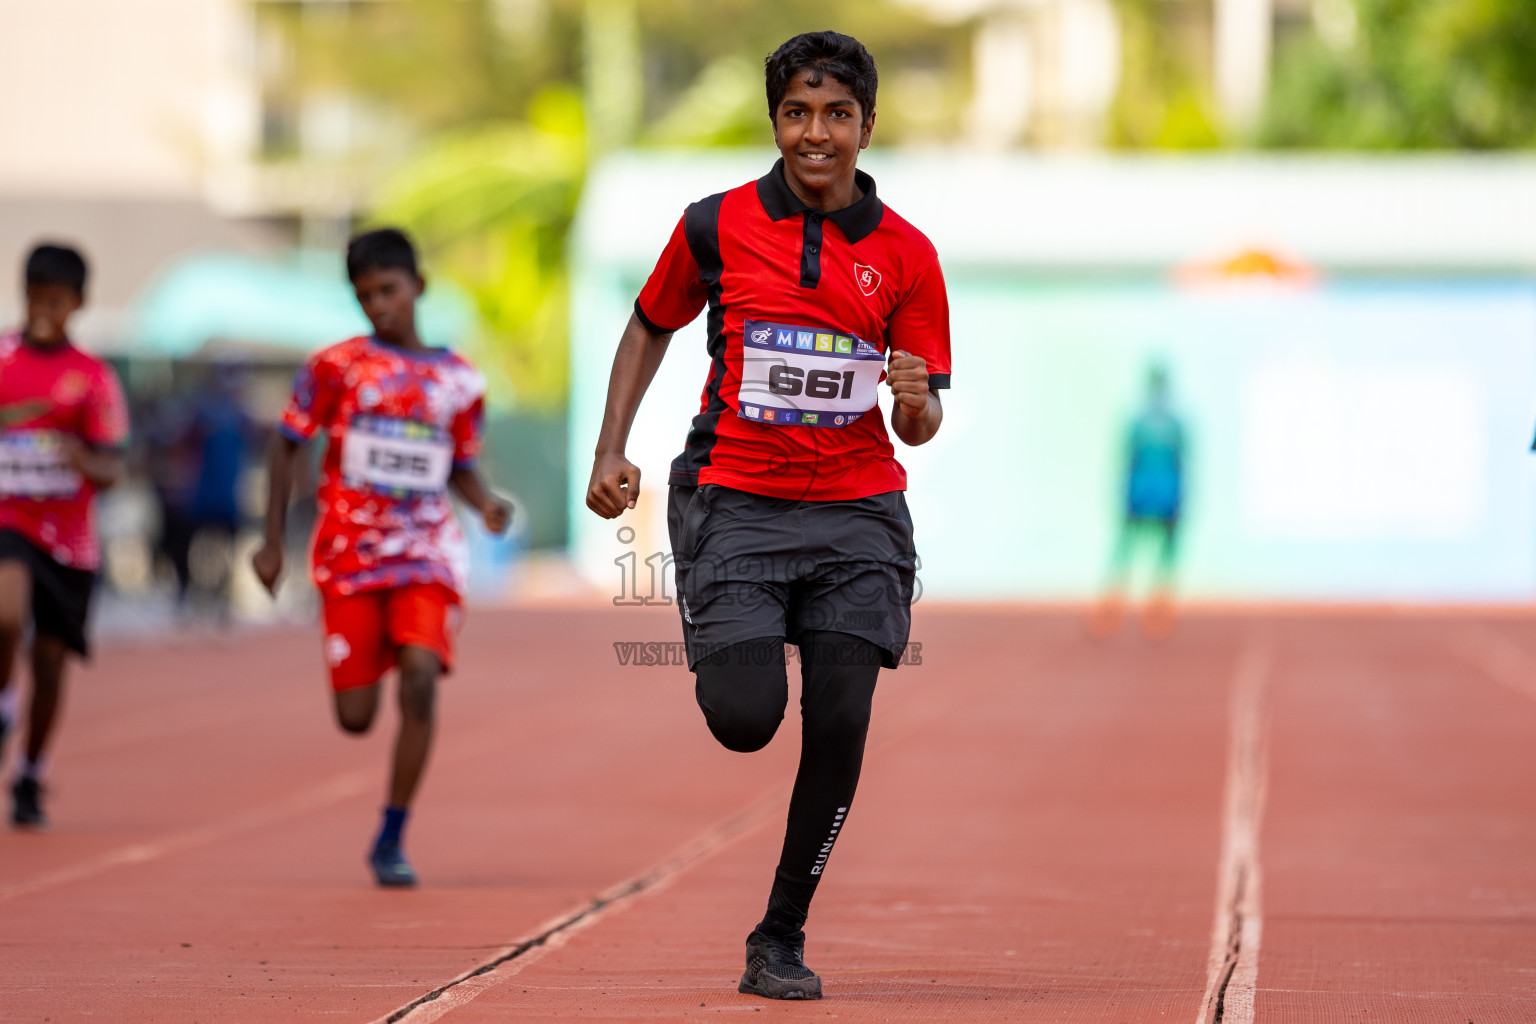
(390, 866)
(776, 968)
(27, 804)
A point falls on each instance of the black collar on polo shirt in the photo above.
(855, 221)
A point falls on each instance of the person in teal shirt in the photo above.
(1153, 503)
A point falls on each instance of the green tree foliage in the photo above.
(447, 63)
(703, 65)
(1164, 97)
(436, 64)
(492, 206)
(1409, 74)
(491, 153)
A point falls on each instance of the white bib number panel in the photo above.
(397, 455)
(33, 464)
(807, 376)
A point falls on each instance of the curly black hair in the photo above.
(384, 249)
(56, 264)
(823, 53)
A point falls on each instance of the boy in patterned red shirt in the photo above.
(403, 424)
(63, 423)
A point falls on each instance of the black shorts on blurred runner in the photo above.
(61, 595)
(750, 566)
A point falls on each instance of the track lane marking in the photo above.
(341, 787)
(557, 931)
(1233, 968)
(1501, 659)
(910, 716)
(338, 788)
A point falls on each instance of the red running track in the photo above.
(1276, 819)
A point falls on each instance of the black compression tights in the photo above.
(743, 691)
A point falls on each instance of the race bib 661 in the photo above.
(806, 376)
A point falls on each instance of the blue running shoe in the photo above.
(390, 866)
(776, 968)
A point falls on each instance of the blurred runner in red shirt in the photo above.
(402, 423)
(63, 424)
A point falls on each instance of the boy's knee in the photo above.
(15, 610)
(354, 722)
(356, 707)
(419, 669)
(743, 730)
(418, 694)
(743, 704)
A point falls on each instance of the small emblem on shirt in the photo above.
(71, 387)
(868, 278)
(337, 650)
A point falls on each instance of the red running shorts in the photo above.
(364, 632)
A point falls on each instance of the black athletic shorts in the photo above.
(61, 595)
(750, 566)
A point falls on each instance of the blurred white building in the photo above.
(144, 131)
(1046, 71)
(121, 121)
(1350, 341)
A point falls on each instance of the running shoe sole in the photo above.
(807, 989)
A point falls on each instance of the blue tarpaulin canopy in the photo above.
(296, 304)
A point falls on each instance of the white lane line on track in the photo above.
(554, 933)
(1501, 659)
(1233, 970)
(911, 716)
(339, 788)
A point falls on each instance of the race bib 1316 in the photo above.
(397, 455)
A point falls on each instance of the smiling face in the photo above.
(388, 296)
(49, 307)
(820, 130)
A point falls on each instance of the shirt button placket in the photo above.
(810, 250)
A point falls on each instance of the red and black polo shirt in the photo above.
(803, 307)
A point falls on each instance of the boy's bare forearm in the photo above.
(916, 430)
(467, 484)
(102, 468)
(282, 453)
(634, 367)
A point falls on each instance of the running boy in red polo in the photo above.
(402, 423)
(786, 511)
(63, 423)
